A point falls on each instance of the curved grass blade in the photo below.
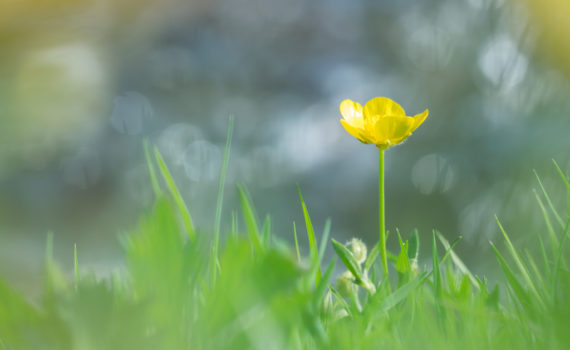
(322, 287)
(312, 239)
(456, 260)
(399, 295)
(548, 200)
(562, 176)
(188, 223)
(372, 256)
(559, 260)
(513, 281)
(324, 240)
(250, 218)
(436, 272)
(221, 184)
(266, 230)
(523, 270)
(551, 234)
(565, 180)
(151, 171)
(296, 242)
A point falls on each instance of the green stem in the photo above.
(382, 217)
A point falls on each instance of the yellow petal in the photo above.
(352, 112)
(380, 107)
(391, 130)
(359, 133)
(419, 119)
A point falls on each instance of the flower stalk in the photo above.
(381, 212)
(384, 123)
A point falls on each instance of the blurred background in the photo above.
(84, 82)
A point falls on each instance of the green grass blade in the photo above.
(403, 261)
(372, 256)
(540, 284)
(75, 266)
(249, 218)
(562, 176)
(296, 242)
(221, 184)
(151, 171)
(544, 255)
(565, 180)
(523, 270)
(324, 240)
(322, 287)
(340, 299)
(551, 234)
(167, 176)
(349, 261)
(399, 295)
(549, 201)
(414, 245)
(559, 260)
(266, 230)
(312, 239)
(235, 224)
(447, 252)
(50, 269)
(456, 260)
(512, 279)
(436, 272)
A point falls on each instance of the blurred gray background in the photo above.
(83, 83)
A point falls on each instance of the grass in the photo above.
(247, 289)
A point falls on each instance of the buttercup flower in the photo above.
(382, 121)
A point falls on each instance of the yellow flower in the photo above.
(382, 121)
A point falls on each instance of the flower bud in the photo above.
(345, 284)
(358, 249)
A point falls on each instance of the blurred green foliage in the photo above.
(254, 292)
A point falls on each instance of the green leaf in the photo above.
(220, 198)
(559, 260)
(340, 299)
(348, 259)
(235, 224)
(414, 245)
(150, 164)
(523, 270)
(565, 180)
(550, 229)
(493, 298)
(188, 223)
(514, 282)
(436, 272)
(296, 242)
(19, 320)
(323, 284)
(312, 239)
(398, 295)
(562, 176)
(544, 255)
(372, 256)
(249, 218)
(456, 260)
(403, 262)
(266, 230)
(324, 240)
(548, 200)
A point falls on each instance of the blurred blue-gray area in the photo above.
(83, 83)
